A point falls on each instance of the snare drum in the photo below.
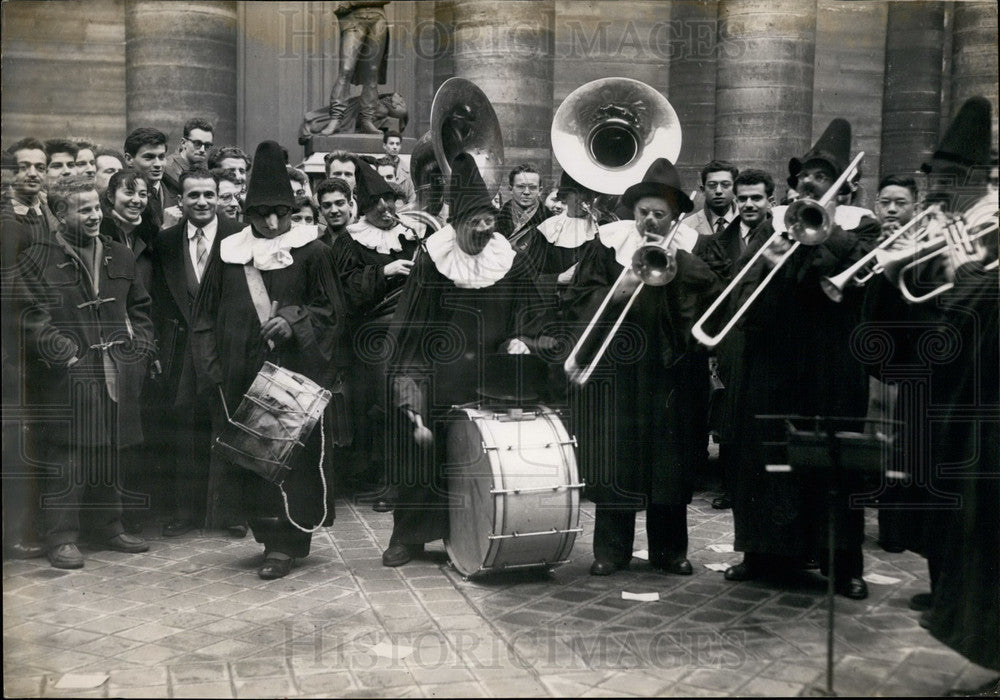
(276, 415)
(514, 490)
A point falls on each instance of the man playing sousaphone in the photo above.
(798, 360)
(270, 296)
(645, 428)
(470, 296)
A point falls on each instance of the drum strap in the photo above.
(258, 295)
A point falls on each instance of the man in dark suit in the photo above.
(182, 254)
(146, 151)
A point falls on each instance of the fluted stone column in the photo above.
(911, 107)
(506, 49)
(974, 55)
(764, 85)
(181, 63)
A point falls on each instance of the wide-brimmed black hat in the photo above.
(468, 190)
(513, 378)
(661, 180)
(833, 147)
(967, 141)
(370, 187)
(269, 185)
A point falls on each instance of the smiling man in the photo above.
(72, 350)
(270, 296)
(31, 219)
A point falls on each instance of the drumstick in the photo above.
(274, 312)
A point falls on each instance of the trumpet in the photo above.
(807, 222)
(955, 235)
(861, 272)
(655, 265)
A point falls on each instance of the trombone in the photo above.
(861, 272)
(807, 222)
(655, 265)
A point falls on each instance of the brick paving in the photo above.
(191, 619)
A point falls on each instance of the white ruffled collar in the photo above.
(625, 239)
(470, 271)
(380, 240)
(266, 253)
(565, 231)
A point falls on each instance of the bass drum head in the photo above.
(470, 479)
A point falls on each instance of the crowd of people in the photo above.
(145, 289)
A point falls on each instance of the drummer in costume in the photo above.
(383, 247)
(470, 296)
(302, 333)
(798, 360)
(642, 428)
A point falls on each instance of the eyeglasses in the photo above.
(231, 197)
(199, 145)
(264, 211)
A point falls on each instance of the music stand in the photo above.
(829, 452)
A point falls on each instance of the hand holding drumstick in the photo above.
(275, 327)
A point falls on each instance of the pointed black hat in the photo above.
(468, 191)
(269, 184)
(967, 140)
(370, 187)
(660, 180)
(833, 147)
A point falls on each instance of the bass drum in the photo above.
(514, 489)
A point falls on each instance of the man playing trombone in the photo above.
(798, 360)
(636, 446)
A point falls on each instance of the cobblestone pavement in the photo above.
(191, 619)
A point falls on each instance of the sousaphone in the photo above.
(608, 132)
(462, 121)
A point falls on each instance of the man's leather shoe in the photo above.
(399, 554)
(921, 602)
(680, 566)
(853, 588)
(723, 502)
(176, 528)
(603, 567)
(275, 568)
(65, 556)
(382, 506)
(132, 526)
(22, 550)
(127, 543)
(237, 531)
(740, 572)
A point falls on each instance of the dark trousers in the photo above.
(190, 431)
(279, 535)
(87, 481)
(21, 519)
(666, 531)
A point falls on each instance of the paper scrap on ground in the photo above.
(392, 651)
(717, 567)
(879, 579)
(641, 554)
(724, 548)
(80, 681)
(643, 597)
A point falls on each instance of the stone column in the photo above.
(506, 49)
(974, 55)
(911, 107)
(764, 88)
(180, 62)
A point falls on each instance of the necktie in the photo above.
(720, 225)
(200, 253)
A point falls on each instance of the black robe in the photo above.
(229, 352)
(635, 440)
(797, 359)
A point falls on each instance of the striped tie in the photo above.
(201, 253)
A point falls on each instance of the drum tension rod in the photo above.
(540, 489)
(553, 531)
(546, 446)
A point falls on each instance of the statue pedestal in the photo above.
(358, 144)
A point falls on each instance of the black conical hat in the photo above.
(468, 191)
(269, 184)
(833, 147)
(370, 187)
(660, 180)
(967, 140)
